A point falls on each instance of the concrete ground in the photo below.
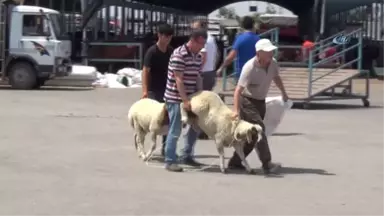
(70, 152)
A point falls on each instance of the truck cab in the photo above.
(37, 49)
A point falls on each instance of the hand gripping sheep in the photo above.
(214, 118)
(147, 116)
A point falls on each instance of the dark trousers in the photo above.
(253, 111)
(158, 96)
(209, 80)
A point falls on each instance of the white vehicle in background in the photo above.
(33, 46)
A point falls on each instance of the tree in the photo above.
(227, 13)
(270, 9)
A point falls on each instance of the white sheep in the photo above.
(147, 116)
(215, 119)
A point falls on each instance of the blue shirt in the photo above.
(245, 48)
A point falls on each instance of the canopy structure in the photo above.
(296, 6)
(308, 11)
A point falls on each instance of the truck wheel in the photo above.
(22, 76)
(40, 82)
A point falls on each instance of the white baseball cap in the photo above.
(265, 45)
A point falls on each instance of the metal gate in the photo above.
(370, 18)
(119, 32)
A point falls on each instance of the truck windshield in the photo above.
(57, 26)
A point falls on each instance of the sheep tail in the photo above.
(130, 120)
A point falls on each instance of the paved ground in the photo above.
(68, 152)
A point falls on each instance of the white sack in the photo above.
(112, 81)
(84, 70)
(275, 109)
(132, 73)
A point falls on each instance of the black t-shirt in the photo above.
(157, 61)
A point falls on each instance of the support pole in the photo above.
(84, 4)
(322, 18)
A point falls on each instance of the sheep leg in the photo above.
(152, 149)
(240, 152)
(140, 138)
(220, 150)
(184, 115)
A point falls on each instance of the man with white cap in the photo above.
(249, 100)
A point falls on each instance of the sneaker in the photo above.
(203, 136)
(173, 167)
(163, 154)
(191, 162)
(235, 166)
(272, 168)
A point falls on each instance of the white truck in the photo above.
(33, 45)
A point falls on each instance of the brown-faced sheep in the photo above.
(215, 119)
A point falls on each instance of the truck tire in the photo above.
(22, 76)
(40, 82)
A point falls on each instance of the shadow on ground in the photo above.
(332, 106)
(51, 88)
(282, 172)
(287, 134)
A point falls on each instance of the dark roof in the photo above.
(208, 6)
(296, 6)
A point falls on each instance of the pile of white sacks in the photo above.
(124, 78)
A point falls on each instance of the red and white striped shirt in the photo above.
(183, 61)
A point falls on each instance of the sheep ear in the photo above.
(250, 135)
(258, 128)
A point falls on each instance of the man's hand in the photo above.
(187, 105)
(144, 95)
(219, 71)
(235, 115)
(285, 97)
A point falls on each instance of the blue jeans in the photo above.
(174, 133)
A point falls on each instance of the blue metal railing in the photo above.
(273, 35)
(314, 52)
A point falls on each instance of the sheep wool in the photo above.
(147, 116)
(215, 119)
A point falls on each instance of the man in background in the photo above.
(209, 56)
(243, 48)
(155, 69)
(306, 47)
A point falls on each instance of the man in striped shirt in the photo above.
(183, 79)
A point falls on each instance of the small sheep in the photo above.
(147, 116)
(215, 119)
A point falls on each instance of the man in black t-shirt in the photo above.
(155, 70)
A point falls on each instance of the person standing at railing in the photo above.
(243, 47)
(209, 56)
(306, 47)
(155, 69)
(249, 100)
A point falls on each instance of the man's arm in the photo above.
(230, 57)
(203, 54)
(146, 71)
(241, 84)
(227, 61)
(177, 64)
(279, 83)
(180, 85)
